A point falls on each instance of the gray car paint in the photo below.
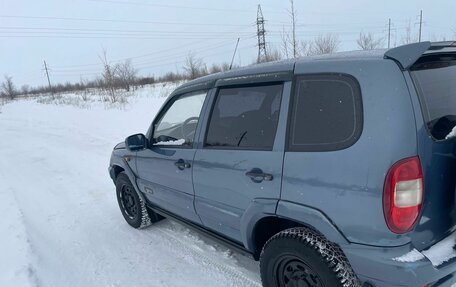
(338, 193)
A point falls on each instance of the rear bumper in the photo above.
(402, 266)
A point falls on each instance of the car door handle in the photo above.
(182, 164)
(257, 175)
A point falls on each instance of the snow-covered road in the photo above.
(60, 224)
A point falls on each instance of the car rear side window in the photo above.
(326, 113)
(245, 118)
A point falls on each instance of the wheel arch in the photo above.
(116, 169)
(120, 164)
(265, 218)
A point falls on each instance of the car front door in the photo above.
(165, 168)
(241, 157)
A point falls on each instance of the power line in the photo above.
(107, 36)
(377, 23)
(71, 31)
(134, 57)
(120, 21)
(182, 55)
(157, 65)
(183, 61)
(47, 29)
(155, 61)
(159, 52)
(170, 6)
(281, 24)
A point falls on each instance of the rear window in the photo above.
(326, 113)
(435, 81)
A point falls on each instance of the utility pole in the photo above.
(47, 74)
(421, 25)
(389, 33)
(262, 55)
(293, 19)
(234, 54)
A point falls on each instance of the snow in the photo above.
(438, 254)
(442, 251)
(60, 223)
(176, 142)
(452, 134)
(412, 256)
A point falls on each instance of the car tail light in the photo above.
(403, 195)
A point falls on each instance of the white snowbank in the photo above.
(437, 254)
(452, 134)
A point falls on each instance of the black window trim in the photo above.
(359, 117)
(214, 101)
(165, 108)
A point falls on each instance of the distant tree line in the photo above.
(115, 78)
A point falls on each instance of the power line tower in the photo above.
(262, 55)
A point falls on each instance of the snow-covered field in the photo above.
(60, 224)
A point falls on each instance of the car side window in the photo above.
(326, 113)
(177, 124)
(245, 118)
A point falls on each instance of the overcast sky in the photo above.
(157, 35)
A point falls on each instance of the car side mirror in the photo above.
(136, 142)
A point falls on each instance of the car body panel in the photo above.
(163, 183)
(223, 192)
(348, 184)
(394, 266)
(312, 218)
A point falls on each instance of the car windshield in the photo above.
(434, 78)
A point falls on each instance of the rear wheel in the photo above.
(300, 257)
(133, 209)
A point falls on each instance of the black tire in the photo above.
(133, 209)
(302, 257)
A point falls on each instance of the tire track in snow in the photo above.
(196, 253)
(25, 269)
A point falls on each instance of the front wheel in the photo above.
(300, 257)
(133, 209)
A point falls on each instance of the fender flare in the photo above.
(122, 163)
(301, 214)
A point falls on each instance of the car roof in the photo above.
(405, 56)
(270, 69)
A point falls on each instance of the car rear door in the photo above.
(433, 80)
(241, 156)
(165, 168)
